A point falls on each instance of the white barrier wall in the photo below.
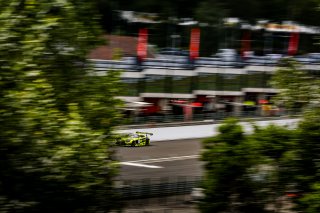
(202, 131)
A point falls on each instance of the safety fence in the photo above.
(159, 195)
(157, 187)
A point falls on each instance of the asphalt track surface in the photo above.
(162, 159)
(174, 158)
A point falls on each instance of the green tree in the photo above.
(212, 13)
(277, 145)
(308, 162)
(276, 160)
(310, 201)
(231, 181)
(298, 89)
(53, 111)
(249, 173)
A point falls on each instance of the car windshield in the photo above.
(133, 135)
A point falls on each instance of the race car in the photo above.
(134, 139)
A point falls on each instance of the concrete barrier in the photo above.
(202, 131)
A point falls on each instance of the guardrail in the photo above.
(131, 63)
(126, 64)
(167, 63)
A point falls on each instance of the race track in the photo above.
(161, 159)
(173, 152)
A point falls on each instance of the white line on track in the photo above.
(159, 160)
(140, 165)
(143, 163)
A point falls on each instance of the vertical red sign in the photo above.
(142, 44)
(245, 43)
(194, 43)
(293, 43)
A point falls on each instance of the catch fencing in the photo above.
(157, 187)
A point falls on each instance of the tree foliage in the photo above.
(286, 161)
(298, 88)
(308, 162)
(230, 162)
(53, 115)
(249, 173)
(249, 10)
(213, 16)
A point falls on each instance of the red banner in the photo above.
(293, 44)
(245, 43)
(142, 44)
(194, 43)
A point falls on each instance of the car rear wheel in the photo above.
(133, 143)
(147, 142)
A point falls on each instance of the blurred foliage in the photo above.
(213, 16)
(298, 89)
(213, 34)
(210, 14)
(310, 202)
(53, 115)
(230, 161)
(305, 12)
(285, 161)
(277, 145)
(308, 162)
(248, 173)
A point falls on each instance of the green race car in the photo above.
(134, 139)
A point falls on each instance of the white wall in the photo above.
(202, 131)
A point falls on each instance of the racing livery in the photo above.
(134, 139)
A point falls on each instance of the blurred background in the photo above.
(204, 59)
(76, 75)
